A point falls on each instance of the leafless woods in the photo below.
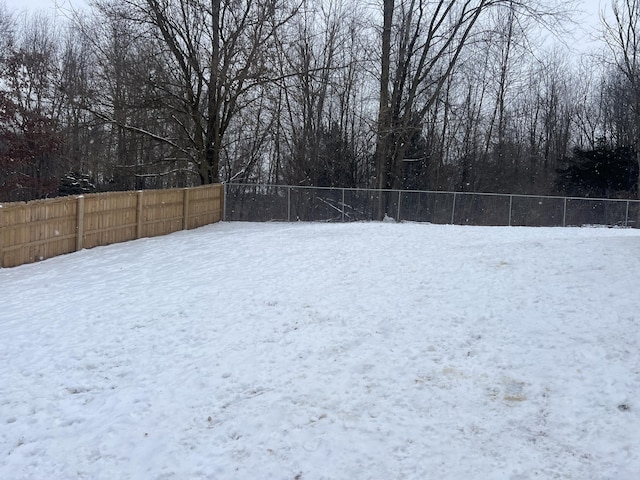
(474, 95)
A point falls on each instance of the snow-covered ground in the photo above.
(324, 351)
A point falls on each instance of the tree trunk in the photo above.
(384, 134)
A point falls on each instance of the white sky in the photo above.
(43, 5)
(587, 22)
(590, 6)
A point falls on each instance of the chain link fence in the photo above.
(260, 203)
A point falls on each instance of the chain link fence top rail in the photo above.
(263, 203)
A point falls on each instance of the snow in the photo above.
(326, 351)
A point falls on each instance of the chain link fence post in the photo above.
(626, 216)
(510, 207)
(453, 209)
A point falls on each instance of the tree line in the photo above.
(473, 95)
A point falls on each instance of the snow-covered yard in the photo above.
(324, 351)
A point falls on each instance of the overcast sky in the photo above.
(45, 5)
(589, 19)
(590, 6)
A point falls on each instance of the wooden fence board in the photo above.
(163, 210)
(42, 229)
(205, 206)
(36, 230)
(109, 218)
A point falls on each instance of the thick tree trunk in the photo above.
(384, 137)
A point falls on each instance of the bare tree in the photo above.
(422, 42)
(622, 35)
(589, 103)
(29, 137)
(213, 54)
(319, 95)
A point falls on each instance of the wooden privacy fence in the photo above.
(42, 229)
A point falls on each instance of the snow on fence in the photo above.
(247, 202)
(43, 229)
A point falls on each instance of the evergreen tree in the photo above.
(604, 172)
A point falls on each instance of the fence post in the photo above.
(224, 202)
(1, 247)
(564, 213)
(510, 207)
(185, 209)
(626, 218)
(80, 223)
(288, 204)
(399, 200)
(453, 209)
(139, 215)
(342, 205)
